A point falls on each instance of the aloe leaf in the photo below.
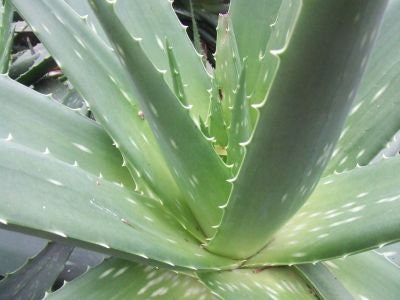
(162, 23)
(120, 279)
(83, 9)
(373, 120)
(195, 29)
(282, 167)
(320, 230)
(37, 276)
(6, 34)
(31, 65)
(191, 162)
(216, 121)
(114, 104)
(324, 282)
(16, 248)
(391, 253)
(63, 199)
(179, 89)
(272, 284)
(228, 64)
(251, 23)
(240, 127)
(367, 276)
(54, 130)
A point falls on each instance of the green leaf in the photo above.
(197, 169)
(240, 128)
(367, 276)
(195, 30)
(323, 281)
(179, 89)
(391, 253)
(31, 65)
(161, 23)
(65, 199)
(113, 104)
(251, 22)
(373, 120)
(38, 122)
(16, 248)
(228, 64)
(320, 230)
(37, 276)
(83, 9)
(272, 284)
(319, 65)
(6, 34)
(119, 279)
(216, 122)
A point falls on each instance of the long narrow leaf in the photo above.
(198, 170)
(37, 276)
(320, 63)
(320, 230)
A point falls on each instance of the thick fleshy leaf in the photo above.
(228, 64)
(119, 279)
(16, 248)
(216, 121)
(64, 199)
(6, 34)
(320, 230)
(159, 24)
(391, 253)
(31, 65)
(320, 63)
(324, 282)
(373, 120)
(240, 127)
(37, 276)
(271, 284)
(197, 169)
(94, 70)
(38, 122)
(251, 22)
(367, 276)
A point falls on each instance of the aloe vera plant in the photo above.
(266, 178)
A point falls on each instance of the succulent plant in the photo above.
(273, 176)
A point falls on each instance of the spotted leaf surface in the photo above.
(271, 284)
(161, 23)
(373, 119)
(38, 122)
(119, 279)
(64, 198)
(228, 64)
(367, 276)
(105, 84)
(345, 214)
(37, 276)
(198, 170)
(240, 126)
(282, 166)
(251, 24)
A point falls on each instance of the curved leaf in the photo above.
(320, 230)
(119, 279)
(271, 284)
(373, 120)
(320, 63)
(64, 199)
